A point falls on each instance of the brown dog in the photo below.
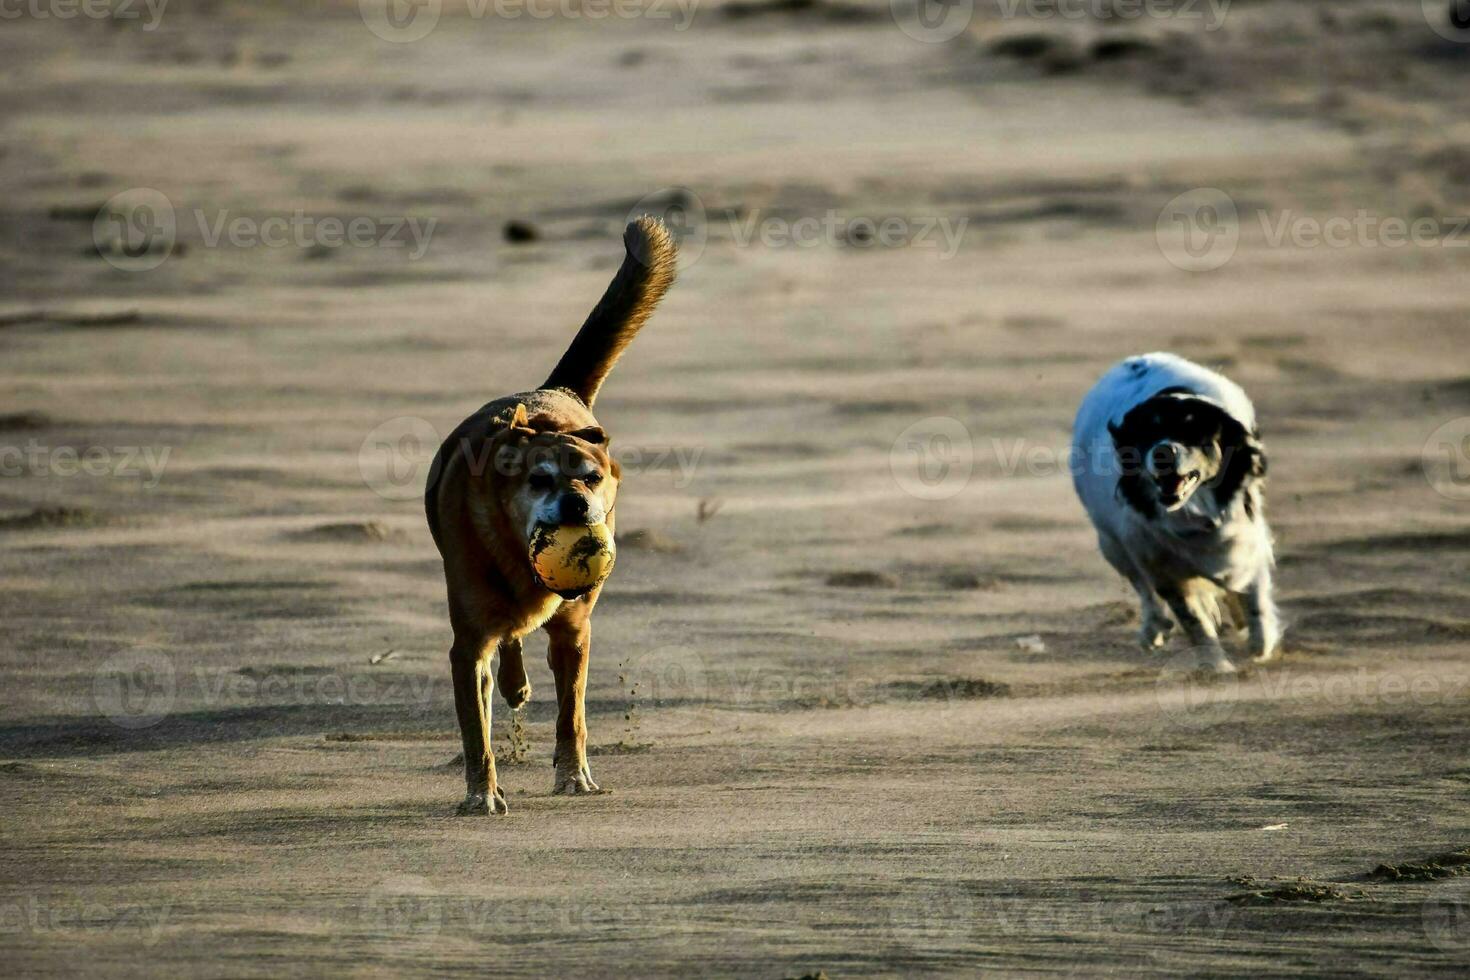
(536, 457)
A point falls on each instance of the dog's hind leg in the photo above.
(469, 661)
(570, 632)
(1195, 616)
(511, 673)
(1261, 619)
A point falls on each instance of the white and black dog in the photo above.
(1168, 462)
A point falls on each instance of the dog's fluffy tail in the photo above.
(646, 274)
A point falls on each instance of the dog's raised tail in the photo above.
(646, 274)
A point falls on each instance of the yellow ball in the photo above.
(572, 560)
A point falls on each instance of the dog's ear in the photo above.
(1129, 460)
(593, 434)
(514, 419)
(507, 445)
(543, 422)
(1243, 460)
(1125, 433)
(1129, 455)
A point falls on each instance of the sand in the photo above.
(857, 713)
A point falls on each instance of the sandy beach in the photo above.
(865, 695)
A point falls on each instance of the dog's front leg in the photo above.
(511, 674)
(470, 667)
(1260, 615)
(1198, 625)
(570, 631)
(1232, 605)
(1155, 626)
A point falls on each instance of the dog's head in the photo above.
(544, 475)
(1176, 443)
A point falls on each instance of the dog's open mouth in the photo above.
(1175, 488)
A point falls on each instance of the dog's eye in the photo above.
(541, 481)
(592, 479)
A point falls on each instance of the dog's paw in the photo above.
(1265, 644)
(476, 804)
(574, 781)
(1270, 655)
(1215, 661)
(1154, 633)
(517, 696)
(511, 679)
